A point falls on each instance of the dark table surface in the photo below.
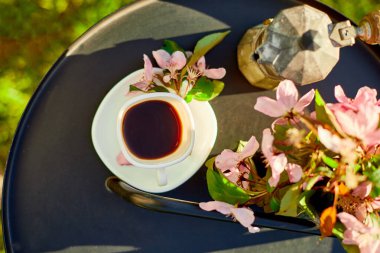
(54, 194)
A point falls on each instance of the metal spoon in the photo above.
(190, 208)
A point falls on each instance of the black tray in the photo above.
(54, 194)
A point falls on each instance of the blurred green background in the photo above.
(33, 34)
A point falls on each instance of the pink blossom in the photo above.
(243, 215)
(278, 162)
(121, 160)
(218, 73)
(357, 116)
(367, 238)
(148, 75)
(363, 190)
(364, 95)
(366, 207)
(362, 123)
(344, 146)
(294, 172)
(173, 62)
(229, 162)
(376, 203)
(368, 204)
(286, 101)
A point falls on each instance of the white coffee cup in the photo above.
(183, 149)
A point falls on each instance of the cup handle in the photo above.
(162, 178)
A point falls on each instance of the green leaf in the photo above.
(203, 46)
(218, 88)
(134, 88)
(338, 230)
(221, 189)
(289, 202)
(330, 161)
(280, 132)
(305, 206)
(351, 248)
(241, 145)
(274, 204)
(210, 163)
(171, 46)
(203, 89)
(189, 98)
(325, 171)
(158, 89)
(206, 44)
(374, 177)
(270, 189)
(320, 109)
(325, 115)
(311, 182)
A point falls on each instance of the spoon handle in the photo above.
(190, 208)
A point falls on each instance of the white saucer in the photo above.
(106, 145)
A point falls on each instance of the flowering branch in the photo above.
(331, 153)
(183, 73)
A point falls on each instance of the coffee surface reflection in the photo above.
(152, 129)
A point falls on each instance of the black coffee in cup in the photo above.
(152, 129)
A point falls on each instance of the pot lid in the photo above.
(297, 45)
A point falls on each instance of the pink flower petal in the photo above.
(243, 215)
(361, 212)
(121, 160)
(250, 148)
(148, 69)
(227, 160)
(143, 85)
(340, 95)
(360, 124)
(253, 230)
(178, 60)
(266, 143)
(329, 140)
(294, 172)
(166, 78)
(372, 139)
(162, 58)
(373, 247)
(365, 95)
(277, 164)
(363, 190)
(347, 121)
(376, 203)
(219, 206)
(201, 64)
(304, 101)
(218, 73)
(269, 107)
(357, 233)
(350, 222)
(233, 175)
(287, 94)
(279, 121)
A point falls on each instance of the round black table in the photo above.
(54, 194)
